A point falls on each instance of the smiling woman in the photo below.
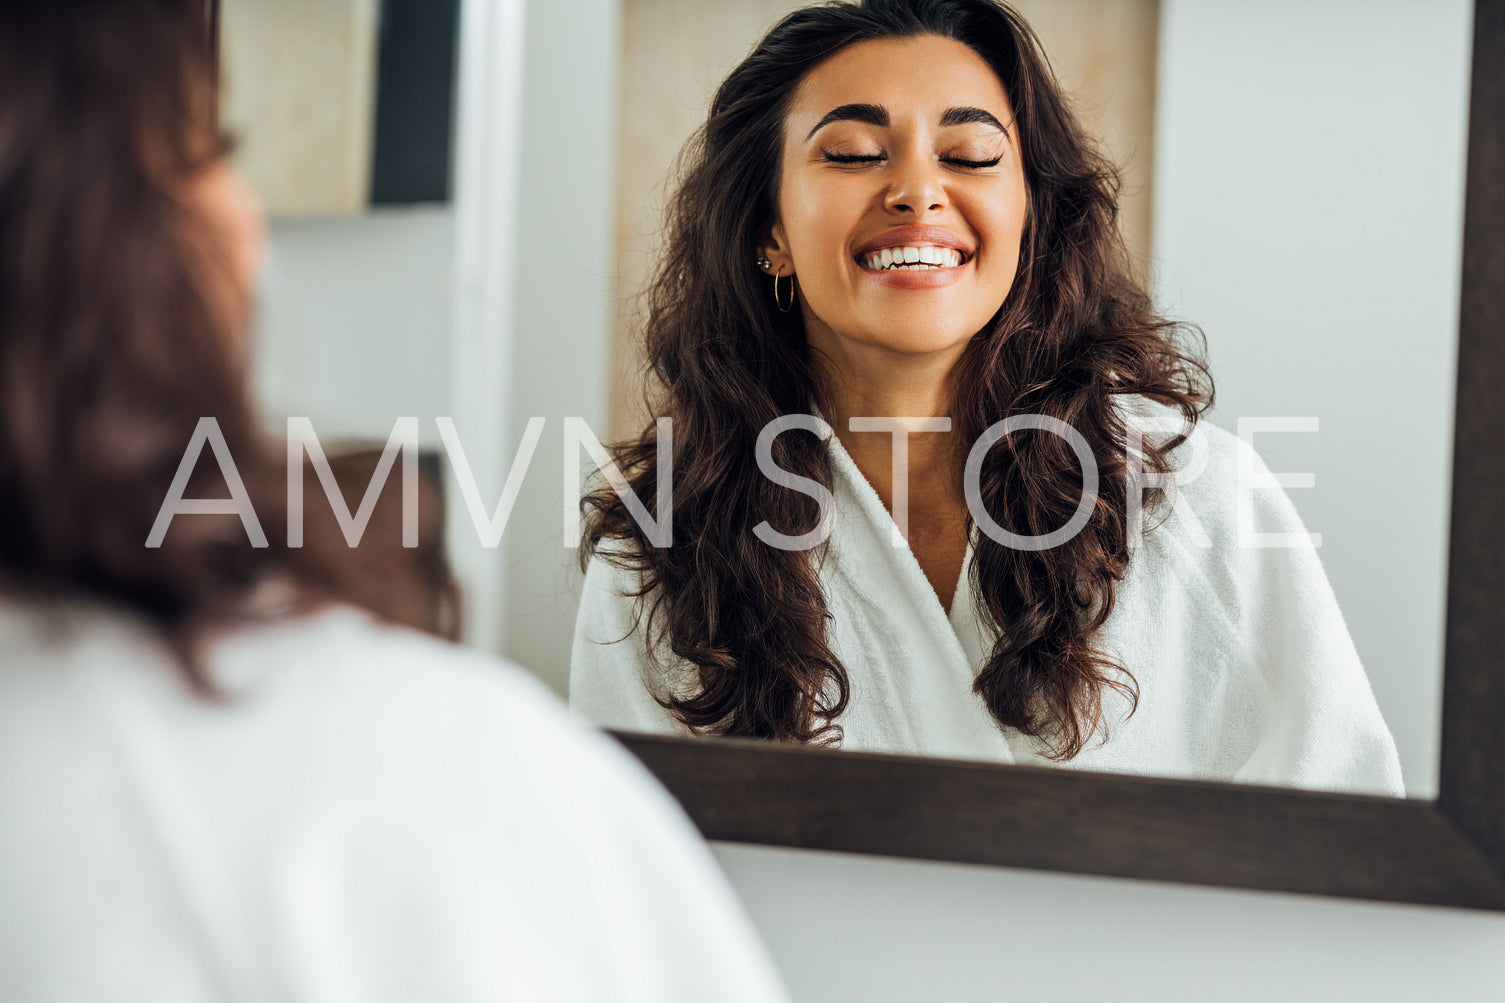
(910, 175)
(876, 205)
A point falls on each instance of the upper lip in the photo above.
(913, 236)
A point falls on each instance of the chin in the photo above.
(917, 331)
(919, 345)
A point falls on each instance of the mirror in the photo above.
(1248, 202)
(1308, 220)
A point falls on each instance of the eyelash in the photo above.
(854, 158)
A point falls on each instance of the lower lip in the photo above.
(920, 278)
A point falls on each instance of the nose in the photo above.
(916, 186)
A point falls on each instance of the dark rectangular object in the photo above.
(412, 149)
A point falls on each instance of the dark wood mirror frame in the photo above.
(1450, 851)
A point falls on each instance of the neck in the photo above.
(896, 387)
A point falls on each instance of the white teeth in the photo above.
(914, 257)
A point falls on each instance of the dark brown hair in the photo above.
(113, 345)
(1075, 331)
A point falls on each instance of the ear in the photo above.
(775, 249)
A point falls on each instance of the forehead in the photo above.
(920, 77)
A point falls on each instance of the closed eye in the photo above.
(864, 158)
(974, 164)
(850, 158)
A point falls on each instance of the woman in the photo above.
(942, 243)
(219, 776)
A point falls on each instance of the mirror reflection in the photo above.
(1270, 613)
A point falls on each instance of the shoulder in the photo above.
(472, 753)
(1220, 496)
(614, 676)
(610, 595)
(1231, 560)
(430, 796)
(345, 654)
(1226, 524)
(1207, 448)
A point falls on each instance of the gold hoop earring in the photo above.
(779, 302)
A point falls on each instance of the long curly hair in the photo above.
(1075, 331)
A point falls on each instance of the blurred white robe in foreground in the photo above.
(374, 815)
(1245, 668)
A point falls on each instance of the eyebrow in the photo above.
(877, 115)
(872, 114)
(967, 116)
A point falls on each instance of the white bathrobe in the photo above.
(375, 816)
(1245, 668)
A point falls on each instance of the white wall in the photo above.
(354, 318)
(566, 303)
(872, 930)
(1308, 215)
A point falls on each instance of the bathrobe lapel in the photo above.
(911, 665)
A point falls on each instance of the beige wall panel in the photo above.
(675, 52)
(1103, 52)
(300, 86)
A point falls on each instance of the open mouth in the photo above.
(913, 257)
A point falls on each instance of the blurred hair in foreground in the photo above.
(121, 325)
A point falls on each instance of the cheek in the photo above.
(238, 231)
(1006, 224)
(248, 230)
(818, 219)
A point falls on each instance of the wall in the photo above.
(353, 322)
(566, 302)
(300, 85)
(872, 930)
